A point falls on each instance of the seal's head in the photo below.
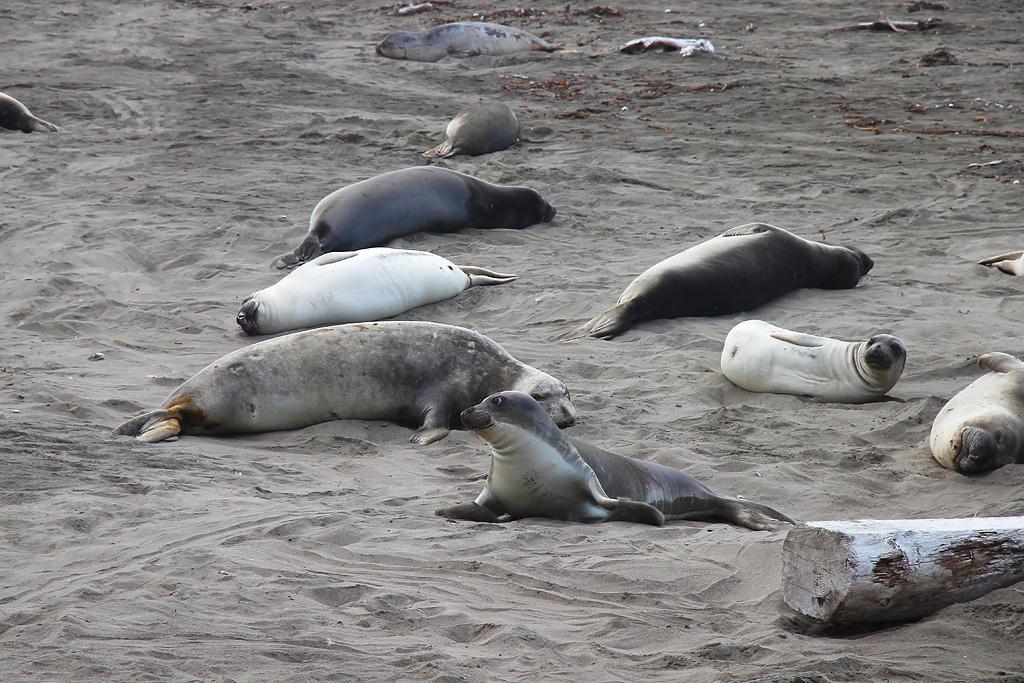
(248, 315)
(506, 417)
(397, 45)
(884, 352)
(552, 395)
(983, 447)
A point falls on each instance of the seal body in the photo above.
(761, 357)
(358, 286)
(15, 116)
(684, 46)
(982, 427)
(460, 39)
(478, 129)
(537, 471)
(407, 372)
(423, 198)
(1012, 263)
(739, 270)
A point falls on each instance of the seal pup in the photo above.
(982, 427)
(1012, 263)
(537, 471)
(15, 116)
(356, 286)
(373, 212)
(684, 46)
(740, 269)
(761, 357)
(407, 372)
(460, 39)
(478, 129)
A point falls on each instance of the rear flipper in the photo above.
(615, 320)
(480, 276)
(444, 150)
(40, 126)
(158, 425)
(471, 511)
(752, 515)
(307, 251)
(625, 510)
(1008, 263)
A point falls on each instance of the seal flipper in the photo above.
(435, 426)
(38, 125)
(158, 425)
(615, 320)
(752, 515)
(471, 511)
(442, 151)
(999, 362)
(481, 276)
(308, 250)
(1008, 263)
(625, 510)
(797, 338)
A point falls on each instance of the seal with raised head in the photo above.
(373, 212)
(358, 286)
(761, 357)
(982, 427)
(739, 270)
(15, 116)
(416, 373)
(478, 129)
(537, 471)
(460, 39)
(1012, 263)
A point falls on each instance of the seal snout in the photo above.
(978, 450)
(248, 316)
(476, 418)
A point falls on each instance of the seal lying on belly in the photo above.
(537, 471)
(460, 39)
(15, 116)
(982, 427)
(373, 212)
(478, 129)
(407, 372)
(739, 270)
(758, 356)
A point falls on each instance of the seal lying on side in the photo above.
(423, 198)
(982, 427)
(1012, 263)
(761, 357)
(739, 270)
(478, 129)
(684, 46)
(537, 471)
(356, 286)
(407, 372)
(460, 39)
(15, 116)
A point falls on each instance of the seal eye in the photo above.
(496, 400)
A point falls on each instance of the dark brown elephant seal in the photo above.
(15, 116)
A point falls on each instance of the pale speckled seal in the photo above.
(758, 356)
(358, 286)
(406, 372)
(739, 270)
(373, 212)
(537, 471)
(982, 427)
(1012, 263)
(15, 116)
(478, 129)
(460, 39)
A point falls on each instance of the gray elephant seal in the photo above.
(761, 357)
(407, 372)
(478, 129)
(15, 116)
(982, 427)
(1011, 263)
(460, 39)
(537, 471)
(423, 198)
(739, 270)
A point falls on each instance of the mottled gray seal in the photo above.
(537, 471)
(739, 270)
(758, 356)
(1012, 263)
(407, 372)
(357, 286)
(15, 116)
(460, 39)
(478, 129)
(373, 212)
(982, 427)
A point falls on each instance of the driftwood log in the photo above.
(896, 570)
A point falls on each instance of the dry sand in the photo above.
(197, 137)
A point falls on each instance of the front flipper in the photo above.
(798, 338)
(435, 426)
(999, 362)
(471, 511)
(625, 510)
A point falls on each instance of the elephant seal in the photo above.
(407, 372)
(1012, 263)
(739, 270)
(373, 212)
(460, 39)
(537, 471)
(15, 116)
(982, 427)
(478, 129)
(761, 357)
(357, 286)
(684, 46)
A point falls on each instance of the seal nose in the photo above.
(475, 418)
(247, 316)
(978, 447)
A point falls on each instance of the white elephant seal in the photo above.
(15, 116)
(460, 39)
(739, 270)
(1012, 263)
(537, 471)
(982, 427)
(764, 358)
(416, 373)
(478, 129)
(357, 286)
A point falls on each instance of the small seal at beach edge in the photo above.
(478, 129)
(460, 39)
(15, 116)
(537, 471)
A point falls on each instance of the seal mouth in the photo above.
(248, 316)
(978, 448)
(474, 418)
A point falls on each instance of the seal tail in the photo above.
(442, 151)
(754, 515)
(615, 320)
(481, 276)
(40, 126)
(156, 425)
